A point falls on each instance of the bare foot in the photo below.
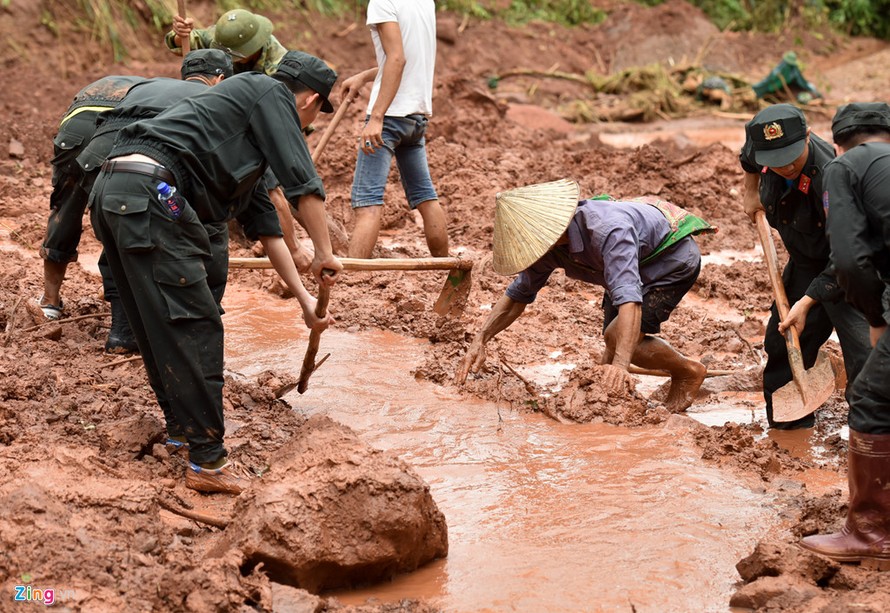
(685, 386)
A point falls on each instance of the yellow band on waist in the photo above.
(77, 111)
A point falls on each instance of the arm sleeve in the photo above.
(198, 39)
(276, 129)
(260, 217)
(851, 255)
(825, 288)
(621, 266)
(381, 11)
(525, 287)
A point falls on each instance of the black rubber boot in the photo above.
(120, 337)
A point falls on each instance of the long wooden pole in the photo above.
(372, 264)
(185, 42)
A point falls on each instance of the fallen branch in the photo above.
(11, 323)
(66, 320)
(553, 74)
(203, 518)
(121, 361)
(529, 386)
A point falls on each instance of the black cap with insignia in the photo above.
(777, 134)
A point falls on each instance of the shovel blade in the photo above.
(453, 296)
(807, 391)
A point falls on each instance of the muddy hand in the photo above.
(616, 380)
(472, 361)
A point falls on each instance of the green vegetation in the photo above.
(115, 21)
(854, 17)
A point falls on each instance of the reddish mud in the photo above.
(80, 469)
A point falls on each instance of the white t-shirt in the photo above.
(417, 22)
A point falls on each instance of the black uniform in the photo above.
(69, 196)
(143, 101)
(214, 147)
(795, 209)
(857, 192)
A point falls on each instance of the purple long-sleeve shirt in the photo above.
(607, 242)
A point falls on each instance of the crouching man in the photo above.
(643, 254)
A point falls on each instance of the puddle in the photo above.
(542, 516)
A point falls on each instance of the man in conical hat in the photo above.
(643, 254)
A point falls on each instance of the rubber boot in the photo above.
(120, 337)
(865, 536)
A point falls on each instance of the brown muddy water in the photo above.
(542, 516)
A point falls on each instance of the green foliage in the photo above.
(565, 12)
(726, 14)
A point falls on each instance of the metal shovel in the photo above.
(809, 388)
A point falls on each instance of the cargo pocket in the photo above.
(129, 220)
(183, 284)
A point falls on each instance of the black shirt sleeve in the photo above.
(260, 217)
(276, 128)
(851, 252)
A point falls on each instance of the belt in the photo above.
(141, 168)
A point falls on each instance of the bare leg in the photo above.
(686, 375)
(435, 227)
(367, 227)
(53, 275)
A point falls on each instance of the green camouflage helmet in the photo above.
(242, 33)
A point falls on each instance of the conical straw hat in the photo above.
(529, 220)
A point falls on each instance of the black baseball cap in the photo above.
(311, 72)
(860, 115)
(777, 134)
(207, 62)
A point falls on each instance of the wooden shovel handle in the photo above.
(329, 131)
(185, 43)
(321, 309)
(772, 263)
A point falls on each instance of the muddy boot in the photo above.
(865, 536)
(120, 337)
(227, 478)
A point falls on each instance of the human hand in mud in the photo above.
(617, 380)
(472, 361)
(182, 27)
(797, 316)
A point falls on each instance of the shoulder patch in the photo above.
(825, 201)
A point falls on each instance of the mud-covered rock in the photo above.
(333, 512)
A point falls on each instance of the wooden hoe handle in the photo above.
(186, 44)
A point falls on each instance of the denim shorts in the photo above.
(403, 137)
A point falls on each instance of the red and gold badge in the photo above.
(772, 131)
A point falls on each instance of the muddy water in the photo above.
(542, 516)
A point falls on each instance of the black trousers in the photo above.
(852, 331)
(160, 266)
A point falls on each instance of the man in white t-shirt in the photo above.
(404, 35)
